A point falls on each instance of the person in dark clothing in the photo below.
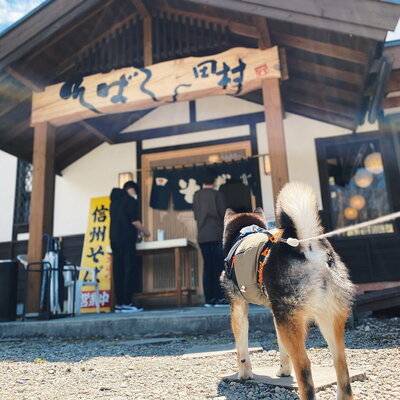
(124, 229)
(209, 210)
(237, 195)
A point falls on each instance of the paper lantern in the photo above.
(350, 213)
(357, 201)
(363, 178)
(373, 163)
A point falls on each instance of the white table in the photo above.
(176, 246)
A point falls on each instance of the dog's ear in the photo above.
(259, 211)
(228, 213)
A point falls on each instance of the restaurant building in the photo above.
(323, 111)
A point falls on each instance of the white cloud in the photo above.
(13, 10)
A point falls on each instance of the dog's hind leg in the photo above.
(285, 366)
(292, 333)
(332, 328)
(240, 328)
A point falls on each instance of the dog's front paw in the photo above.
(284, 370)
(245, 374)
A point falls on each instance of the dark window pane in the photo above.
(357, 186)
(23, 193)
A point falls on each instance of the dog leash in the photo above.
(296, 242)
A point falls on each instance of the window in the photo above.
(23, 193)
(353, 176)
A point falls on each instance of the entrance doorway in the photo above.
(158, 271)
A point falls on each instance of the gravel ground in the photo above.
(116, 369)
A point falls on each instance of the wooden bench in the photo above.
(176, 246)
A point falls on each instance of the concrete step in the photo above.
(154, 323)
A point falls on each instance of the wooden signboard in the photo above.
(235, 72)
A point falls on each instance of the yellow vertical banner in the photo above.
(95, 254)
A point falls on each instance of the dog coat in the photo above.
(247, 259)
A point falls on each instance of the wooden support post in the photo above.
(275, 133)
(147, 32)
(148, 41)
(42, 204)
(274, 114)
(178, 280)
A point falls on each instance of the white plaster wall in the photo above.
(93, 175)
(165, 115)
(8, 173)
(224, 106)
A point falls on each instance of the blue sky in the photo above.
(13, 10)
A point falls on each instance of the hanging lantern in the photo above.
(357, 201)
(373, 163)
(363, 178)
(350, 213)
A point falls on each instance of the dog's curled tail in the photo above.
(297, 211)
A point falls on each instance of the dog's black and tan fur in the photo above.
(303, 284)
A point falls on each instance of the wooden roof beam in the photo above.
(325, 71)
(72, 141)
(40, 29)
(96, 132)
(391, 102)
(32, 82)
(69, 63)
(17, 130)
(320, 115)
(321, 90)
(38, 88)
(243, 29)
(235, 25)
(147, 31)
(141, 8)
(326, 49)
(264, 40)
(11, 105)
(70, 29)
(344, 16)
(321, 104)
(394, 82)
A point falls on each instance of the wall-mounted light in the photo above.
(267, 164)
(124, 177)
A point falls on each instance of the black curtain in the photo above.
(180, 184)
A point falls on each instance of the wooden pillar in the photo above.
(147, 32)
(274, 113)
(148, 41)
(275, 132)
(42, 204)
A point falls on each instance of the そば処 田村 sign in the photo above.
(234, 72)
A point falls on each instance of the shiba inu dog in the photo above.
(299, 284)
